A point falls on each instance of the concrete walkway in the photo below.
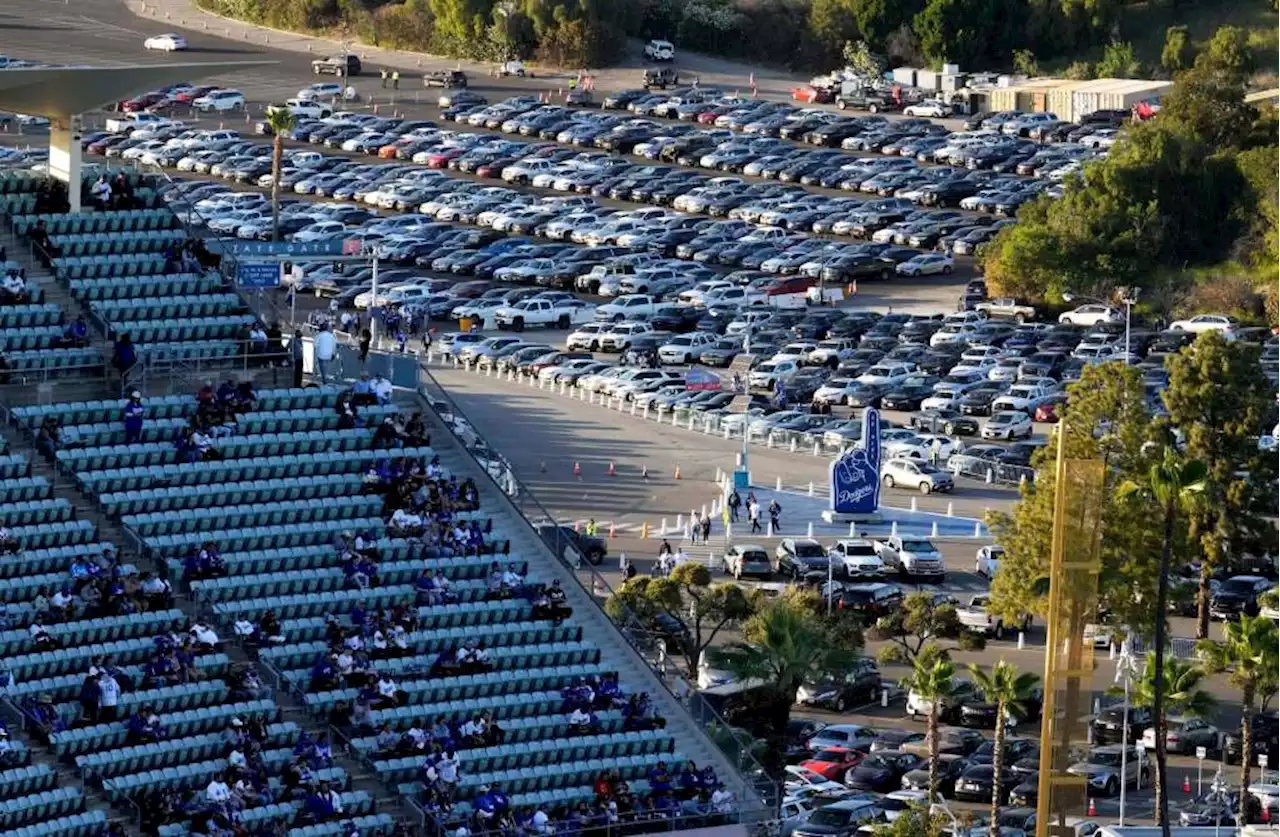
(731, 75)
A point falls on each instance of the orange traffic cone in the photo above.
(1093, 807)
(676, 475)
(613, 472)
(613, 532)
(577, 470)
(1186, 783)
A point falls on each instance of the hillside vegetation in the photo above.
(1080, 37)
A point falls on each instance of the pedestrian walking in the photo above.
(395, 80)
(695, 527)
(384, 78)
(326, 349)
(753, 512)
(774, 511)
(706, 529)
(295, 354)
(734, 503)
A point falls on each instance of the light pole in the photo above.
(1126, 668)
(1129, 297)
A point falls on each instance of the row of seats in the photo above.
(100, 737)
(19, 316)
(194, 350)
(122, 264)
(195, 328)
(132, 478)
(201, 773)
(64, 687)
(54, 361)
(35, 561)
(166, 406)
(24, 488)
(551, 776)
(354, 804)
(29, 337)
(162, 699)
(101, 629)
(117, 243)
(28, 512)
(86, 824)
(39, 806)
(315, 581)
(233, 447)
(161, 308)
(172, 752)
(251, 514)
(526, 730)
(118, 220)
(262, 537)
(228, 494)
(131, 287)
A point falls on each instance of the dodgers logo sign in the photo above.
(855, 477)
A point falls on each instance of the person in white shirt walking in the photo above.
(326, 349)
(108, 698)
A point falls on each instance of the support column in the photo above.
(64, 156)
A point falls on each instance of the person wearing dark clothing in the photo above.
(295, 355)
(366, 339)
(133, 416)
(124, 355)
(735, 503)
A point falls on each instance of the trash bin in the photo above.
(465, 323)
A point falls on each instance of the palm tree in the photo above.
(281, 121)
(1170, 484)
(1010, 690)
(1250, 656)
(932, 678)
(784, 645)
(1182, 692)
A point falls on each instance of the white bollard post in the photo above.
(704, 509)
(853, 529)
(634, 406)
(768, 441)
(810, 488)
(663, 530)
(431, 358)
(950, 510)
(778, 485)
(675, 420)
(809, 530)
(622, 562)
(691, 418)
(933, 530)
(977, 530)
(1111, 651)
(532, 381)
(893, 529)
(679, 522)
(770, 534)
(711, 560)
(1022, 640)
(914, 507)
(728, 531)
(726, 431)
(622, 405)
(719, 476)
(488, 371)
(564, 387)
(793, 444)
(884, 698)
(991, 476)
(646, 412)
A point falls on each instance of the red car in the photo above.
(494, 169)
(1048, 410)
(833, 762)
(186, 97)
(441, 160)
(141, 103)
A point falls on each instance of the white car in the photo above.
(1008, 424)
(657, 50)
(586, 337)
(1202, 323)
(767, 375)
(1092, 314)
(914, 475)
(953, 333)
(936, 109)
(987, 562)
(886, 374)
(220, 101)
(685, 348)
(320, 90)
(1024, 397)
(303, 109)
(165, 43)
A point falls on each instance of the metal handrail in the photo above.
(599, 589)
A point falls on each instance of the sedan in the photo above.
(165, 43)
(950, 766)
(977, 783)
(881, 771)
(833, 763)
(747, 559)
(1008, 424)
(1184, 735)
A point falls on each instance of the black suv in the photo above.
(444, 78)
(592, 549)
(1108, 727)
(334, 65)
(661, 78)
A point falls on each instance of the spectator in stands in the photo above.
(246, 685)
(258, 342)
(390, 695)
(382, 389)
(134, 412)
(582, 722)
(205, 638)
(9, 757)
(551, 603)
(218, 792)
(44, 247)
(295, 356)
(205, 563)
(144, 727)
(13, 289)
(108, 698)
(9, 545)
(124, 356)
(89, 699)
(326, 350)
(156, 592)
(75, 334)
(49, 437)
(44, 719)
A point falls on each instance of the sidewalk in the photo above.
(730, 75)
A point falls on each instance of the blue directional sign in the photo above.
(258, 274)
(334, 247)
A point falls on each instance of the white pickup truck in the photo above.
(629, 307)
(975, 617)
(911, 556)
(1007, 309)
(561, 314)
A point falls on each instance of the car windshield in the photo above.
(1237, 586)
(834, 756)
(810, 550)
(1107, 758)
(918, 546)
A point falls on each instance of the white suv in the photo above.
(220, 101)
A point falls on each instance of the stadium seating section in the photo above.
(286, 487)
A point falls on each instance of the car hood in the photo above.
(1085, 768)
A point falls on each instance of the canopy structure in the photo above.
(61, 94)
